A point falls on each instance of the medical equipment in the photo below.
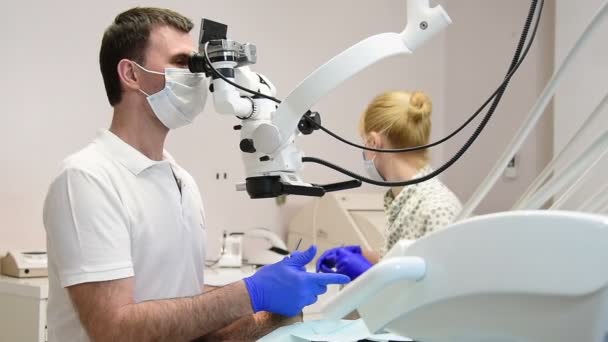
(340, 218)
(515, 276)
(265, 255)
(232, 250)
(271, 159)
(258, 247)
(25, 264)
(518, 276)
(268, 131)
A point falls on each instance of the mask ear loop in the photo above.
(371, 144)
(143, 92)
(149, 71)
(146, 70)
(373, 159)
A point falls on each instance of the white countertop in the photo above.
(39, 287)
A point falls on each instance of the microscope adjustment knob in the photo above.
(247, 146)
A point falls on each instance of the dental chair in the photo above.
(509, 277)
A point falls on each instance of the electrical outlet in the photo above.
(280, 200)
(511, 169)
(221, 175)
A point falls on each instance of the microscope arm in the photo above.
(423, 23)
(268, 130)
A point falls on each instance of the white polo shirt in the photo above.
(113, 213)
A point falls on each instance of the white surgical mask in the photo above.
(181, 100)
(372, 170)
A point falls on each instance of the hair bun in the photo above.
(420, 106)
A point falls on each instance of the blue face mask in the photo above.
(372, 170)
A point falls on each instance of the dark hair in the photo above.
(127, 37)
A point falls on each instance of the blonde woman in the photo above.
(397, 119)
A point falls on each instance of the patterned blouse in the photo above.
(418, 210)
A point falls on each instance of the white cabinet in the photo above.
(23, 309)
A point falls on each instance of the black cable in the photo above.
(218, 74)
(468, 143)
(497, 95)
(365, 179)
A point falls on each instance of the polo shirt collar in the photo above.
(127, 155)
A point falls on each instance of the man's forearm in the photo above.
(183, 319)
(251, 327)
(209, 288)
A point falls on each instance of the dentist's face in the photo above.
(167, 48)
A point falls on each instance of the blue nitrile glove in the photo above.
(346, 260)
(328, 260)
(286, 288)
(351, 264)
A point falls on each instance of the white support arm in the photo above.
(375, 279)
(596, 201)
(571, 190)
(535, 114)
(589, 123)
(586, 160)
(226, 98)
(423, 22)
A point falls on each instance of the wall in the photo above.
(480, 46)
